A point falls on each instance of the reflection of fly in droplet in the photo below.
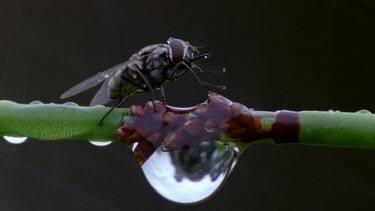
(146, 70)
(192, 175)
(187, 153)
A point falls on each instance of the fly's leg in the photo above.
(162, 94)
(202, 56)
(200, 69)
(138, 70)
(175, 76)
(205, 83)
(118, 104)
(172, 74)
(179, 74)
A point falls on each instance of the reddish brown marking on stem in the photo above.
(180, 128)
(286, 127)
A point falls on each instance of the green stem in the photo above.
(338, 129)
(69, 121)
(53, 121)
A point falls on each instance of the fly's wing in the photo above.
(101, 97)
(93, 81)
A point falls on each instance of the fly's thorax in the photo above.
(158, 65)
(158, 61)
(157, 77)
(149, 50)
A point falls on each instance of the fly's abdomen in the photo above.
(118, 87)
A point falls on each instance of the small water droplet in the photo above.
(224, 70)
(106, 76)
(331, 111)
(99, 106)
(71, 104)
(100, 143)
(15, 140)
(209, 126)
(205, 57)
(363, 111)
(190, 175)
(35, 102)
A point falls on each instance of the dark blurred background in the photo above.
(297, 55)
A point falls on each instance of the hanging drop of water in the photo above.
(15, 140)
(100, 143)
(186, 154)
(190, 175)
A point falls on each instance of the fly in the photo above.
(146, 70)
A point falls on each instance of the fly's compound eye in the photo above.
(177, 50)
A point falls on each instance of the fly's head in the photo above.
(181, 51)
(182, 54)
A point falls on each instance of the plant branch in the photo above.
(218, 119)
(53, 121)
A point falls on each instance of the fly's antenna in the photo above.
(202, 56)
(201, 47)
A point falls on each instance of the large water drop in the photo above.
(187, 153)
(190, 175)
(15, 140)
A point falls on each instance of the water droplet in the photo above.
(209, 126)
(190, 175)
(364, 111)
(106, 76)
(224, 70)
(71, 104)
(100, 143)
(15, 140)
(179, 148)
(99, 106)
(331, 111)
(36, 102)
